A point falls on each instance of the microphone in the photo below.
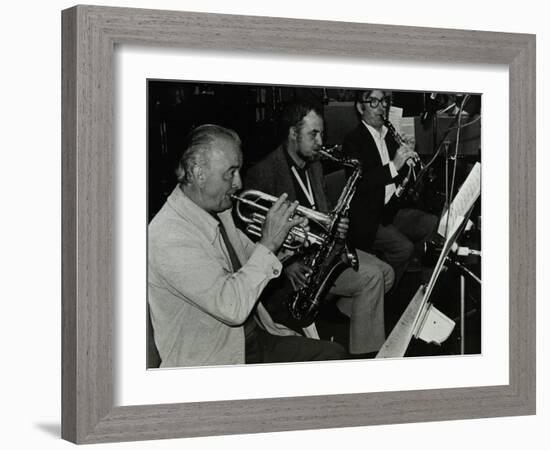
(430, 108)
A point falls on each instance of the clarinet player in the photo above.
(374, 225)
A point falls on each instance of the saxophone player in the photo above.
(293, 168)
(205, 276)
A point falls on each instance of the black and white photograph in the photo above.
(275, 225)
(290, 224)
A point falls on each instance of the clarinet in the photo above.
(399, 191)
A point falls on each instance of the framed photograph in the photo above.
(105, 76)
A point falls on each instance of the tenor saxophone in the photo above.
(330, 259)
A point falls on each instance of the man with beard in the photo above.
(205, 276)
(294, 169)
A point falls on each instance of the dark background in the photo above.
(176, 107)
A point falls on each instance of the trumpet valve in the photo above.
(258, 218)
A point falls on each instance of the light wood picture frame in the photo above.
(90, 34)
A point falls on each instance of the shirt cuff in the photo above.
(393, 170)
(272, 263)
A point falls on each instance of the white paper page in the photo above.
(465, 198)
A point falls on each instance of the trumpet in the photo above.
(298, 236)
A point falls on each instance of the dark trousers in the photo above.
(396, 242)
(263, 347)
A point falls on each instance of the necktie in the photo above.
(250, 323)
(230, 249)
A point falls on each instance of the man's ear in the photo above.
(292, 133)
(360, 107)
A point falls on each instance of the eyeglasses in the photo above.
(374, 102)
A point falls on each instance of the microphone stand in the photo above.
(444, 143)
(464, 272)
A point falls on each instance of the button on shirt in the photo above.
(198, 304)
(380, 140)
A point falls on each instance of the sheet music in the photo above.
(394, 116)
(463, 201)
(407, 128)
(403, 125)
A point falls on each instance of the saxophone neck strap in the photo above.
(305, 187)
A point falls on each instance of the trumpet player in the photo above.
(293, 168)
(375, 224)
(205, 276)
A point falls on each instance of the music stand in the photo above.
(421, 319)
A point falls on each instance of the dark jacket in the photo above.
(272, 176)
(367, 206)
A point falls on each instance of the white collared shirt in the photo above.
(380, 140)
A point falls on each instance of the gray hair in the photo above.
(198, 145)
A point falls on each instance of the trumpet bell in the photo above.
(255, 201)
(251, 207)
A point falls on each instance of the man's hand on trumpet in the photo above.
(278, 222)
